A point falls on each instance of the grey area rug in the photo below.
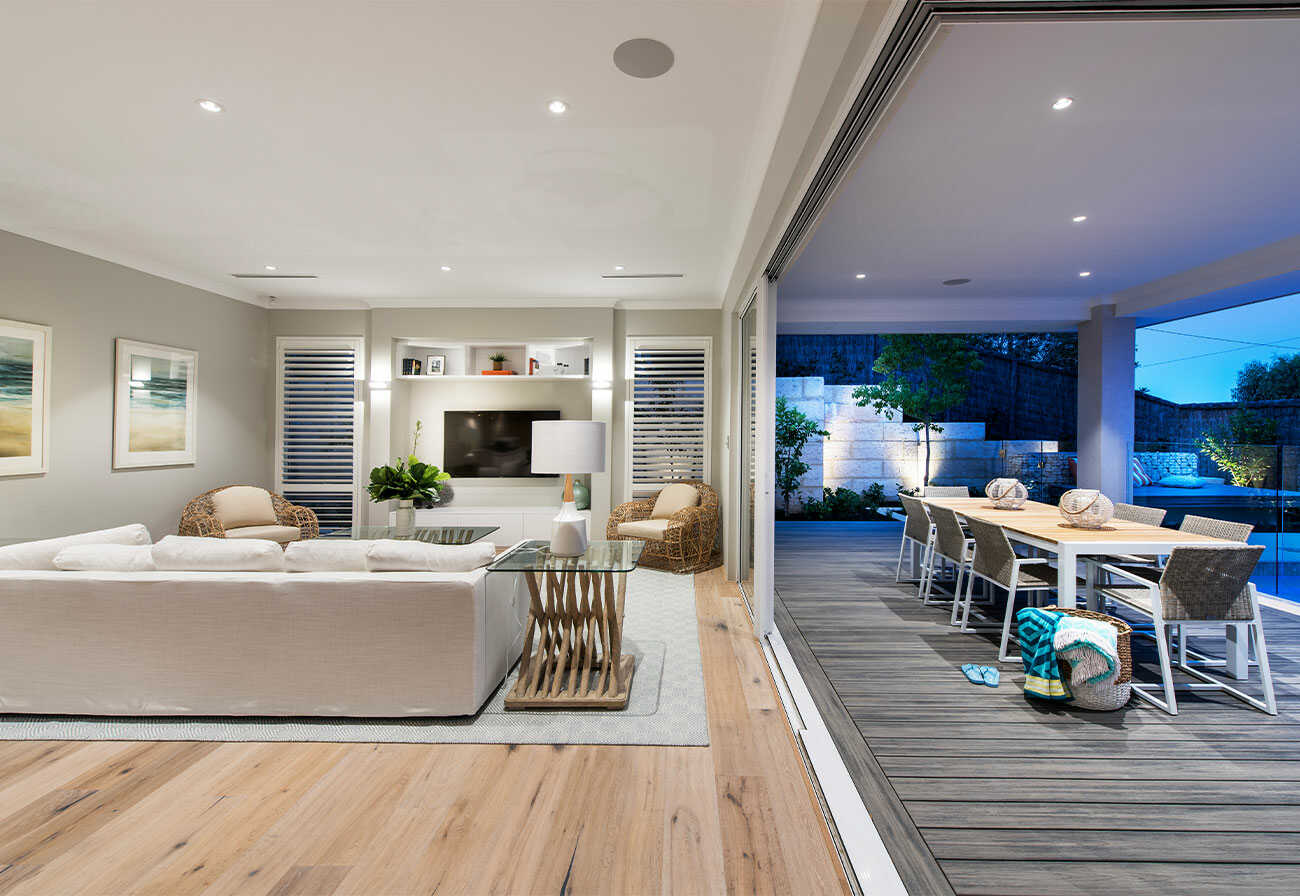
(666, 707)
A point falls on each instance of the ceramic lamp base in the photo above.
(569, 532)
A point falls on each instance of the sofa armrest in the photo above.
(201, 525)
(683, 521)
(627, 513)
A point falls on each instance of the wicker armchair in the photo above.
(689, 544)
(200, 519)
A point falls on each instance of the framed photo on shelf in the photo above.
(24, 398)
(155, 396)
(435, 365)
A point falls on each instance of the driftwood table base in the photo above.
(573, 644)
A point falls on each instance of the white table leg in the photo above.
(1066, 563)
(1238, 651)
(916, 562)
(1090, 587)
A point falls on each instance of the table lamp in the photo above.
(568, 447)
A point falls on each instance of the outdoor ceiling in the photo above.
(1180, 148)
(371, 144)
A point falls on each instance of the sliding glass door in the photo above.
(748, 379)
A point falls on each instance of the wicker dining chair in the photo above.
(1136, 513)
(918, 531)
(946, 491)
(686, 543)
(996, 562)
(950, 545)
(1201, 586)
(200, 518)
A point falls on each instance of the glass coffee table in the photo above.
(428, 534)
(575, 616)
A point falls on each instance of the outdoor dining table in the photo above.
(1041, 526)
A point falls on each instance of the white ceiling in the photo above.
(1181, 148)
(370, 143)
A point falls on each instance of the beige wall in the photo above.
(88, 303)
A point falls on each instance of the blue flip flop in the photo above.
(990, 676)
(972, 673)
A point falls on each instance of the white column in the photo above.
(1106, 361)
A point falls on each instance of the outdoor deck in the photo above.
(980, 790)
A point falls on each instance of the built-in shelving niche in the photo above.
(549, 360)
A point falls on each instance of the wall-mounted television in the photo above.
(482, 444)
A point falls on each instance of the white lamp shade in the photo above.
(568, 446)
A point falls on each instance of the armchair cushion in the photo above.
(673, 498)
(278, 534)
(243, 505)
(650, 530)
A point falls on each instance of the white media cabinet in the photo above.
(516, 522)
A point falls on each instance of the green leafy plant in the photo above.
(846, 504)
(1244, 448)
(499, 358)
(403, 481)
(925, 376)
(793, 430)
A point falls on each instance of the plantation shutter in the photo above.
(318, 438)
(669, 415)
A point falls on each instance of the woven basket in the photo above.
(1103, 697)
(1007, 494)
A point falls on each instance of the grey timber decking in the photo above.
(978, 790)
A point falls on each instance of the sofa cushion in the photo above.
(673, 498)
(389, 555)
(106, 558)
(327, 555)
(1181, 482)
(186, 553)
(243, 505)
(652, 530)
(278, 534)
(41, 554)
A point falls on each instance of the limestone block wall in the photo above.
(865, 447)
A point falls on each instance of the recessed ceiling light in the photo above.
(618, 267)
(861, 276)
(1079, 219)
(557, 107)
(1085, 273)
(957, 281)
(1064, 102)
(445, 267)
(209, 105)
(270, 267)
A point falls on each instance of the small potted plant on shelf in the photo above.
(407, 481)
(499, 361)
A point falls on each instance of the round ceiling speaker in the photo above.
(643, 57)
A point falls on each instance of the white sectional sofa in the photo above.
(379, 644)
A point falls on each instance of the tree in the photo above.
(1268, 380)
(793, 430)
(925, 376)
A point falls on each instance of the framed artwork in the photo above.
(154, 398)
(435, 365)
(24, 398)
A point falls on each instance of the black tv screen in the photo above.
(480, 444)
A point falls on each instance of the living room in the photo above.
(378, 490)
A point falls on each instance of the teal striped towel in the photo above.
(1037, 631)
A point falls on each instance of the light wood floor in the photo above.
(179, 818)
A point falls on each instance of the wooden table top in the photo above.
(1044, 522)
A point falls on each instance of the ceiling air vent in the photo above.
(640, 276)
(274, 276)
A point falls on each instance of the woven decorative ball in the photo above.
(1086, 508)
(1007, 494)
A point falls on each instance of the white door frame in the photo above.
(765, 462)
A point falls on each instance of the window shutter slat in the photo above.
(668, 423)
(318, 430)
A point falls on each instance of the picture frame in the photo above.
(435, 365)
(155, 405)
(25, 352)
